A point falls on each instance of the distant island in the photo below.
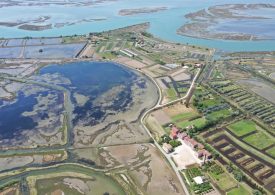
(143, 10)
(230, 22)
(43, 23)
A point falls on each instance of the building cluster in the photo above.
(128, 53)
(193, 144)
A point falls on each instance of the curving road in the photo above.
(159, 106)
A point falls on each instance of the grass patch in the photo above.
(199, 123)
(221, 178)
(209, 102)
(171, 93)
(259, 140)
(216, 115)
(184, 116)
(108, 55)
(238, 191)
(197, 188)
(271, 151)
(242, 127)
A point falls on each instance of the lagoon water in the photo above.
(92, 80)
(163, 24)
(13, 112)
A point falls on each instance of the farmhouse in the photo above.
(191, 142)
(182, 135)
(174, 132)
(204, 154)
(190, 152)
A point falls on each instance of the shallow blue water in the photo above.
(13, 112)
(92, 79)
(163, 24)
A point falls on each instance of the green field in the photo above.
(259, 140)
(184, 116)
(271, 151)
(108, 55)
(242, 127)
(219, 114)
(221, 178)
(171, 93)
(209, 102)
(238, 191)
(199, 123)
(198, 188)
(217, 74)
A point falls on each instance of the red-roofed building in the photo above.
(174, 132)
(191, 142)
(204, 154)
(182, 135)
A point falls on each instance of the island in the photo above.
(231, 22)
(143, 10)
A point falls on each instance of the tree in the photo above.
(238, 175)
(174, 143)
(229, 168)
(165, 139)
(257, 192)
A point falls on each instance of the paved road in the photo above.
(159, 106)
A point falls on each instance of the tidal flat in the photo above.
(107, 99)
(38, 113)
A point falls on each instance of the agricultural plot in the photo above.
(222, 179)
(198, 123)
(175, 89)
(250, 133)
(184, 116)
(239, 190)
(211, 106)
(271, 151)
(255, 105)
(259, 140)
(192, 173)
(242, 127)
(257, 167)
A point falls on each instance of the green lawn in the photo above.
(199, 123)
(271, 151)
(184, 116)
(108, 55)
(209, 102)
(238, 191)
(217, 74)
(182, 89)
(219, 114)
(242, 127)
(259, 140)
(171, 93)
(224, 181)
